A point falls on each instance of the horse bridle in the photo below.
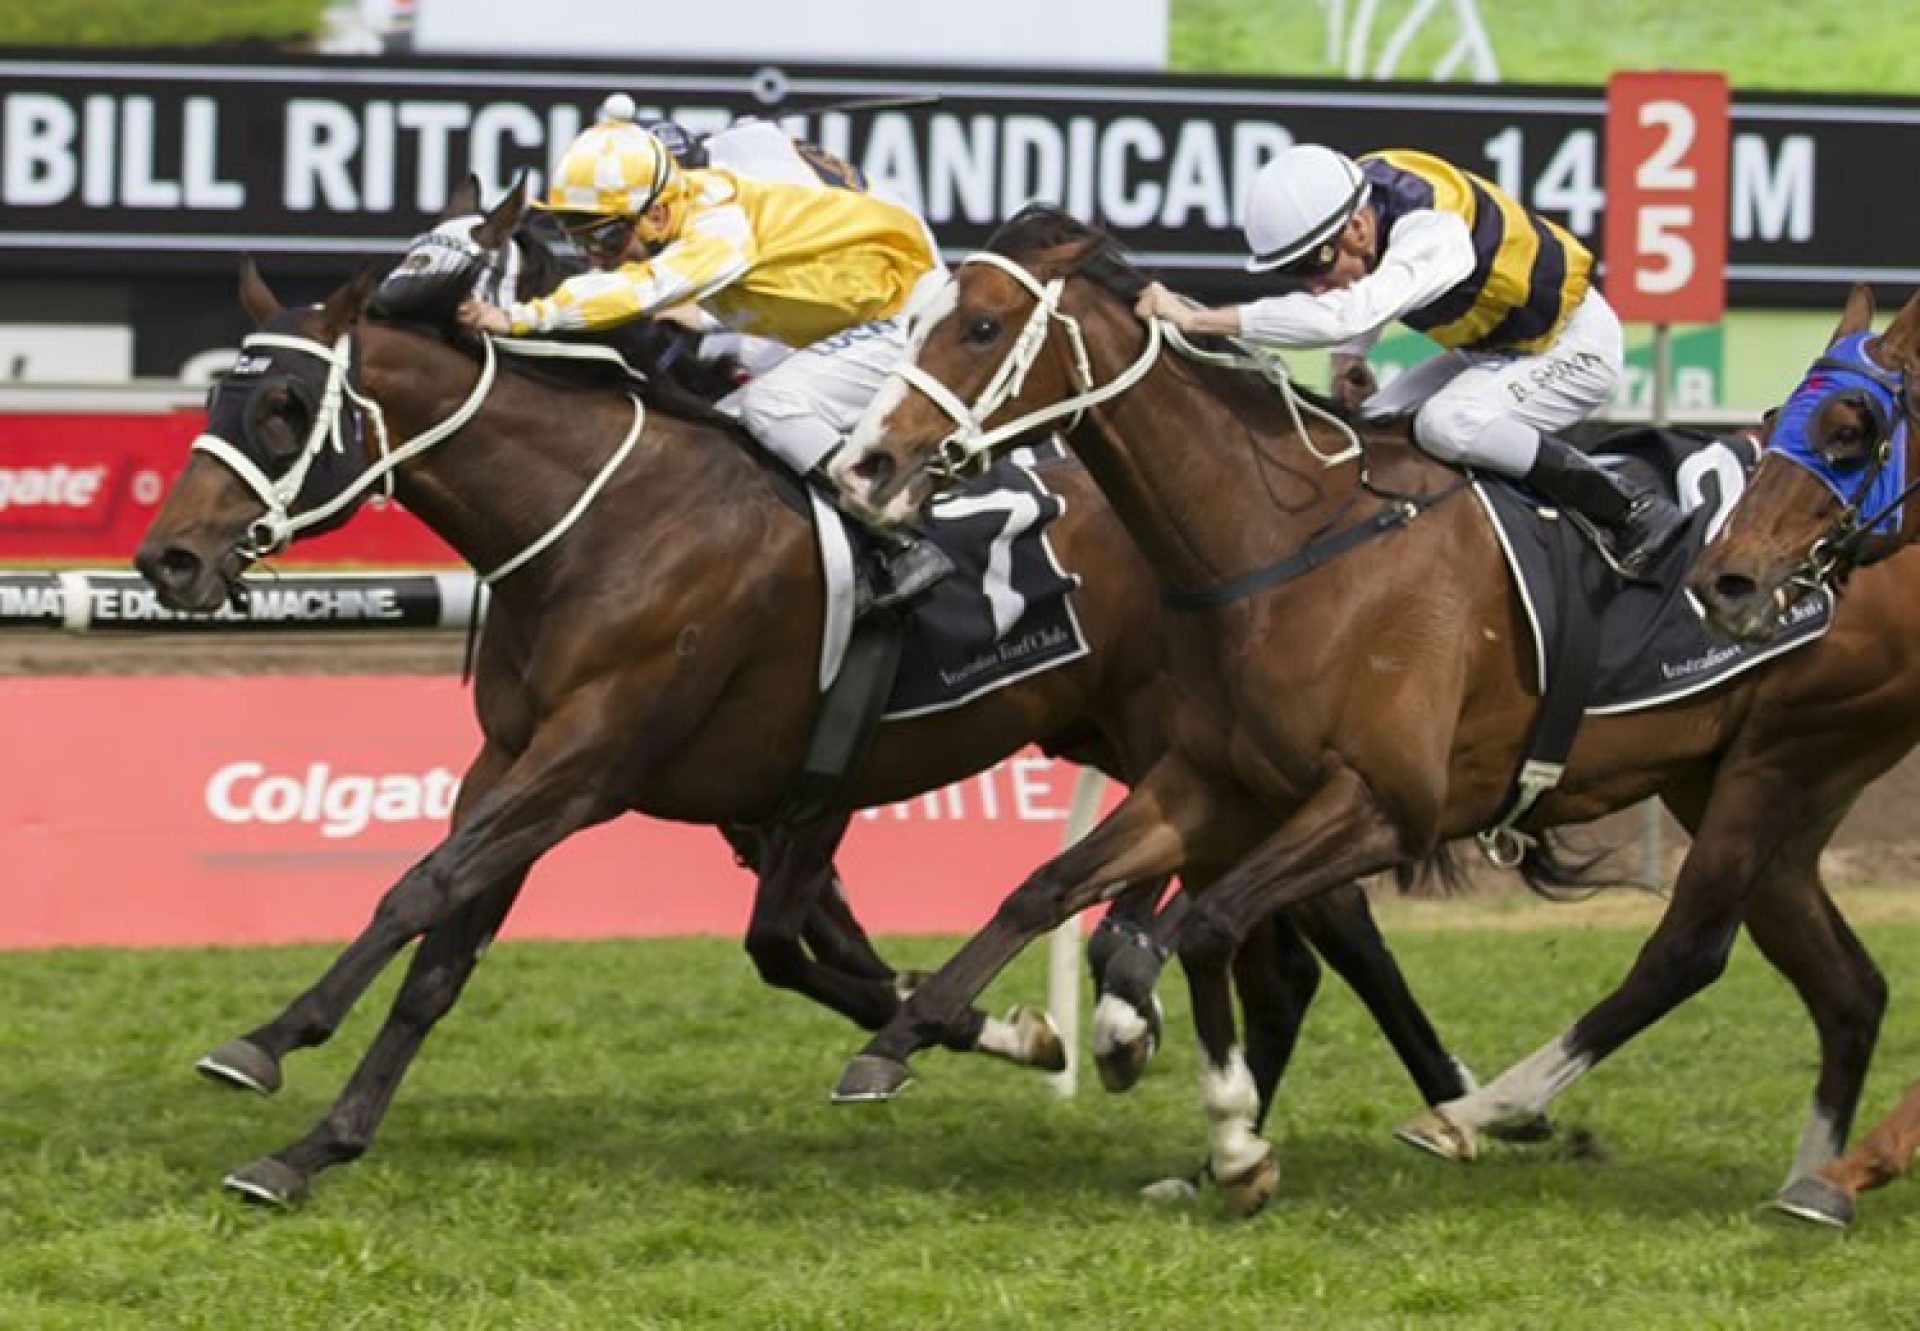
(967, 449)
(276, 528)
(1839, 548)
(279, 525)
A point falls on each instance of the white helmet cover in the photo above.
(1299, 201)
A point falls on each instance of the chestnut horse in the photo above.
(656, 657)
(1373, 707)
(1832, 494)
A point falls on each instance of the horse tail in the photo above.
(1438, 874)
(1551, 871)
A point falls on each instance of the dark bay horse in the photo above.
(1833, 493)
(1373, 708)
(658, 658)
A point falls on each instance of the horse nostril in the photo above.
(875, 469)
(176, 567)
(1732, 588)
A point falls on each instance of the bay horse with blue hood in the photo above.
(1833, 497)
(656, 619)
(1351, 692)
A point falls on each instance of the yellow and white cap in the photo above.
(615, 169)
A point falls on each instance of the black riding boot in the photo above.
(1639, 521)
(904, 566)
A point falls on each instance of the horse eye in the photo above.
(983, 330)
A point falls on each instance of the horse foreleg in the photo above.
(439, 971)
(557, 786)
(1145, 835)
(253, 1060)
(1338, 834)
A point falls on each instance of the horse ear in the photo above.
(261, 305)
(1900, 344)
(1857, 316)
(345, 306)
(504, 220)
(464, 201)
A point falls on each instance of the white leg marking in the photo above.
(1116, 1024)
(1231, 1103)
(1819, 1145)
(1002, 1039)
(1523, 1090)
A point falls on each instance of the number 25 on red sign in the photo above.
(1666, 230)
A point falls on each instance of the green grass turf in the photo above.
(1815, 45)
(155, 22)
(636, 1134)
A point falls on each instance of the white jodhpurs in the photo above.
(1488, 409)
(803, 407)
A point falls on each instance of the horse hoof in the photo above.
(1124, 1042)
(1523, 1132)
(1122, 1066)
(1813, 1198)
(1434, 1131)
(244, 1064)
(1247, 1192)
(269, 1182)
(1039, 1039)
(869, 1079)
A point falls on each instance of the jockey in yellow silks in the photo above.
(818, 264)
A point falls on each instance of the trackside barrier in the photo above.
(84, 602)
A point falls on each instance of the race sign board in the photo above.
(1666, 232)
(161, 167)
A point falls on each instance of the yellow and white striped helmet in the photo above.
(615, 169)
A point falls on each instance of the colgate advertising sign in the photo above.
(84, 487)
(197, 811)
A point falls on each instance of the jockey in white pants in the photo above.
(1532, 347)
(817, 264)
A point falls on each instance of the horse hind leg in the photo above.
(1799, 929)
(798, 905)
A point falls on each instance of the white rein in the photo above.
(968, 446)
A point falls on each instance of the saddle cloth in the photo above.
(1655, 647)
(1002, 615)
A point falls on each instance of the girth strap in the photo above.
(1402, 510)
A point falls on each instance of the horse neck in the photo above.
(511, 473)
(1206, 492)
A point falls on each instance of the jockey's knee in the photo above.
(1448, 427)
(1472, 432)
(787, 424)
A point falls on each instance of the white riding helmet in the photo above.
(1298, 203)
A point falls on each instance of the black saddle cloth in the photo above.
(1004, 613)
(1654, 646)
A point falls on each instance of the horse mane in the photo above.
(1104, 261)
